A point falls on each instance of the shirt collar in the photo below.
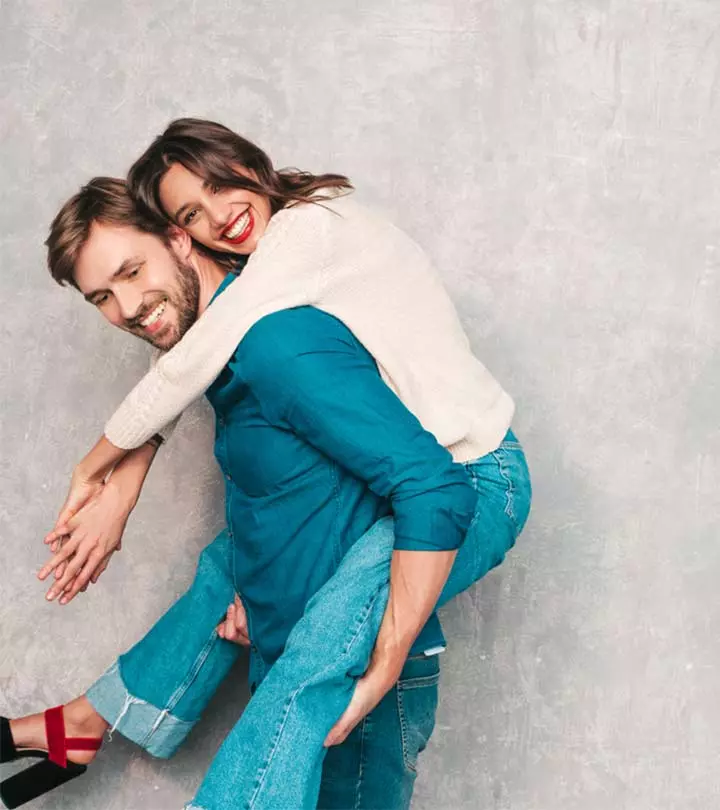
(229, 278)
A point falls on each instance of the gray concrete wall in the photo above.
(560, 161)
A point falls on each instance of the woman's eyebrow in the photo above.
(205, 186)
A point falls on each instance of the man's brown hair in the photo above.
(105, 200)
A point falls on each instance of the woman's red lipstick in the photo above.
(247, 230)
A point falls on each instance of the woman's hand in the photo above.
(89, 476)
(91, 535)
(82, 490)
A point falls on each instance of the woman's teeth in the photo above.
(154, 315)
(240, 224)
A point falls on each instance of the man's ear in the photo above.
(180, 242)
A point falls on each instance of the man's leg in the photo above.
(155, 693)
(273, 757)
(376, 766)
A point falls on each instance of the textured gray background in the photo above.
(559, 160)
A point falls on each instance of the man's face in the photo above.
(138, 283)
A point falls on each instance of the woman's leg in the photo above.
(156, 691)
(376, 766)
(273, 756)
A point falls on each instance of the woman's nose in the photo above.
(219, 214)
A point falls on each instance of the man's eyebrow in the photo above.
(133, 261)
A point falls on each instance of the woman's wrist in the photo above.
(99, 462)
(127, 478)
(124, 492)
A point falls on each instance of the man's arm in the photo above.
(311, 373)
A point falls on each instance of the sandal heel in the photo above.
(36, 780)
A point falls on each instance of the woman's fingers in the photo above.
(82, 578)
(103, 565)
(74, 566)
(64, 553)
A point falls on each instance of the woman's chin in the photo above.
(239, 250)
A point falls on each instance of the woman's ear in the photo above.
(180, 242)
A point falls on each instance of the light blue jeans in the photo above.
(273, 758)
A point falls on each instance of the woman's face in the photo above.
(230, 220)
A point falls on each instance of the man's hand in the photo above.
(378, 680)
(91, 536)
(234, 627)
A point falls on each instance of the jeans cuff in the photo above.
(154, 729)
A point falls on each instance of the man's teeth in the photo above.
(154, 315)
(238, 227)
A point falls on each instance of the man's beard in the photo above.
(185, 300)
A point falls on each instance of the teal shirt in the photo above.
(315, 448)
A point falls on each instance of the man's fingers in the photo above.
(347, 722)
(233, 627)
(240, 617)
(369, 691)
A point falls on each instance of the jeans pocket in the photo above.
(417, 699)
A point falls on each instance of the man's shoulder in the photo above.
(290, 332)
(276, 341)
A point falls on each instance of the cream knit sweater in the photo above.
(351, 263)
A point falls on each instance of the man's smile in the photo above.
(151, 323)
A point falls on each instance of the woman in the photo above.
(309, 247)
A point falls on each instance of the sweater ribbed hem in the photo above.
(487, 433)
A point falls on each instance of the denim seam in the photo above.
(403, 731)
(361, 772)
(337, 550)
(510, 489)
(177, 695)
(291, 700)
(419, 682)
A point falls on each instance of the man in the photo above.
(295, 516)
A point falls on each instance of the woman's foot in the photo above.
(81, 720)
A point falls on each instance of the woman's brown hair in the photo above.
(210, 151)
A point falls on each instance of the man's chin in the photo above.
(164, 340)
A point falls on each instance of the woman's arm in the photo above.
(95, 531)
(283, 272)
(90, 474)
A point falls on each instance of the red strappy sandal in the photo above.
(53, 771)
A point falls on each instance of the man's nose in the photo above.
(130, 303)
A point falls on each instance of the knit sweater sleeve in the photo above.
(167, 431)
(284, 271)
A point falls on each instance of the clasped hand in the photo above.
(87, 533)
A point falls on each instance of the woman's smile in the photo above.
(239, 229)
